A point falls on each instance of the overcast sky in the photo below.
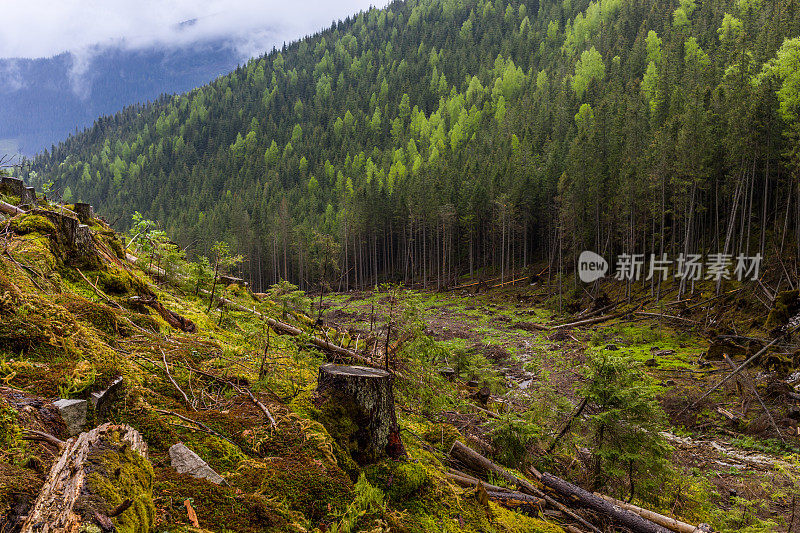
(43, 28)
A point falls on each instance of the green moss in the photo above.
(442, 435)
(99, 316)
(12, 447)
(119, 473)
(401, 481)
(216, 505)
(33, 224)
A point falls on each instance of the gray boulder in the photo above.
(73, 412)
(185, 461)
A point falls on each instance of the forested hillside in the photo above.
(435, 138)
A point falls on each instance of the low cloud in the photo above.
(43, 28)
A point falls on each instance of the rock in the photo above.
(185, 461)
(74, 414)
(794, 412)
(663, 353)
(612, 347)
(473, 383)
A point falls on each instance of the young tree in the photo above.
(223, 262)
(624, 423)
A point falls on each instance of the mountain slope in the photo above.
(80, 322)
(437, 138)
(45, 100)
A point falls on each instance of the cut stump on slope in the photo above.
(357, 405)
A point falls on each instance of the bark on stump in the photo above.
(75, 238)
(101, 473)
(84, 211)
(362, 396)
(16, 187)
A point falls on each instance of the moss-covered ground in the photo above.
(69, 333)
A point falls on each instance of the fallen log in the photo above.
(465, 480)
(661, 316)
(515, 500)
(618, 515)
(170, 317)
(479, 463)
(75, 493)
(668, 522)
(590, 321)
(10, 209)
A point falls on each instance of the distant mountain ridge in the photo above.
(42, 101)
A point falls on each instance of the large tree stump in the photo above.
(75, 238)
(84, 211)
(101, 473)
(16, 187)
(357, 403)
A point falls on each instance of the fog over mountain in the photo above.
(63, 65)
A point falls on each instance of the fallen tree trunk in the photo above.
(590, 321)
(76, 493)
(516, 500)
(465, 480)
(170, 317)
(666, 521)
(479, 463)
(618, 515)
(10, 209)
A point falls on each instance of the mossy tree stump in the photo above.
(84, 211)
(16, 187)
(358, 409)
(100, 474)
(74, 238)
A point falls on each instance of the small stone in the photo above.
(73, 412)
(185, 461)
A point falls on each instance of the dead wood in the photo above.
(67, 501)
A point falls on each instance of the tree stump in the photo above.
(101, 473)
(74, 238)
(358, 410)
(16, 187)
(84, 211)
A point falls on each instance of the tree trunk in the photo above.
(10, 209)
(365, 396)
(620, 516)
(99, 472)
